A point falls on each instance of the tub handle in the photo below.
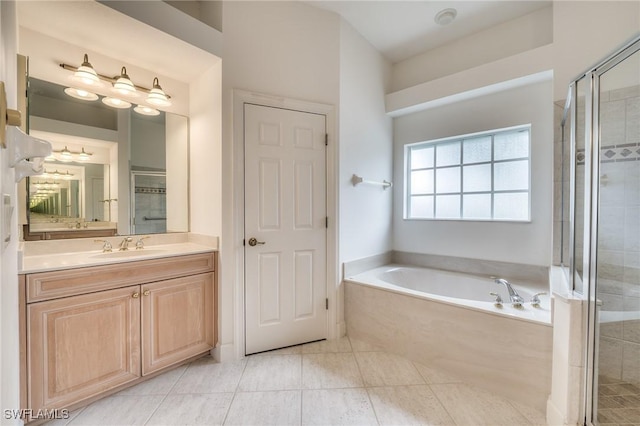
(535, 300)
(498, 301)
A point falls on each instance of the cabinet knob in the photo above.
(146, 293)
(135, 295)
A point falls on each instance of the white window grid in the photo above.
(461, 165)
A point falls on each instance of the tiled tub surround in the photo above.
(491, 348)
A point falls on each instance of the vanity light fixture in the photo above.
(65, 155)
(116, 103)
(86, 74)
(157, 96)
(84, 156)
(124, 85)
(58, 175)
(145, 110)
(81, 94)
(45, 184)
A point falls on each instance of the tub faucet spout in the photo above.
(515, 298)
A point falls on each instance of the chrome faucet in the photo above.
(140, 242)
(516, 299)
(124, 245)
(106, 247)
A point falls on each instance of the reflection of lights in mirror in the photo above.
(145, 110)
(118, 142)
(116, 103)
(81, 94)
(66, 174)
(66, 156)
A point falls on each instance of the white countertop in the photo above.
(47, 258)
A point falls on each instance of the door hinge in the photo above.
(244, 242)
(326, 222)
(326, 139)
(326, 304)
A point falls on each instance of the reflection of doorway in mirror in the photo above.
(97, 200)
(149, 202)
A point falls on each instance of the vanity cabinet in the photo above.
(82, 345)
(177, 320)
(91, 330)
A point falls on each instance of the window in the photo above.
(484, 176)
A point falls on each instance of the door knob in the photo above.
(255, 242)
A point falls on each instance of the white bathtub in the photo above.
(466, 290)
(448, 320)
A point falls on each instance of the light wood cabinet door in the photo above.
(177, 320)
(81, 346)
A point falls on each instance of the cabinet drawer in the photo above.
(56, 284)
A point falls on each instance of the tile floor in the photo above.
(337, 382)
(618, 403)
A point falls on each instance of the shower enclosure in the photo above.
(602, 160)
(149, 202)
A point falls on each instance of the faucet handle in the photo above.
(140, 242)
(535, 300)
(498, 301)
(106, 247)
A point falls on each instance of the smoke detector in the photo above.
(445, 16)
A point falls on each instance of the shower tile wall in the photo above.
(150, 202)
(619, 244)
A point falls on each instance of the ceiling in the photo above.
(402, 29)
(111, 33)
(398, 29)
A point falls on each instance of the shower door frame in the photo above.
(591, 211)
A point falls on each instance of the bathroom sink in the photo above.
(128, 253)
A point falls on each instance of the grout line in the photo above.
(364, 384)
(301, 384)
(235, 392)
(444, 407)
(168, 392)
(519, 412)
(79, 411)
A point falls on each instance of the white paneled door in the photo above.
(285, 227)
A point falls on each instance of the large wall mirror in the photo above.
(136, 180)
(112, 170)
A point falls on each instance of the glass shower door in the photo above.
(616, 239)
(149, 202)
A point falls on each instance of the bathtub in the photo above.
(458, 289)
(448, 320)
